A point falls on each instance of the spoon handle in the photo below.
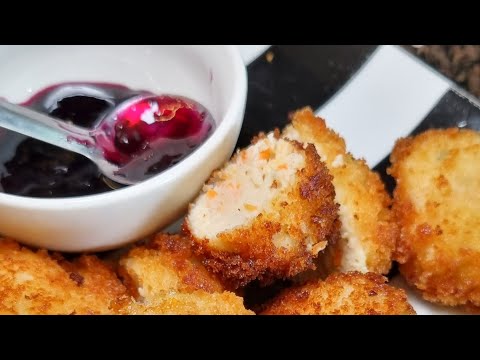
(46, 128)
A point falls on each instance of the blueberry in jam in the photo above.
(160, 130)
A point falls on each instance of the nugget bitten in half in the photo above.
(368, 230)
(165, 277)
(351, 293)
(437, 204)
(34, 283)
(266, 214)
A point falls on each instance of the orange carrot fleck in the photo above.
(211, 194)
(265, 154)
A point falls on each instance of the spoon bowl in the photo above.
(115, 143)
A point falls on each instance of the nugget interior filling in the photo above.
(245, 188)
(353, 256)
(368, 231)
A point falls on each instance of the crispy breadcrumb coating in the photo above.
(266, 214)
(368, 230)
(437, 205)
(166, 263)
(37, 283)
(351, 293)
(172, 280)
(165, 277)
(197, 302)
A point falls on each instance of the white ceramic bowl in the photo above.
(213, 75)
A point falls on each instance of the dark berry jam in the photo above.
(161, 131)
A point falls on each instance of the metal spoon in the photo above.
(77, 139)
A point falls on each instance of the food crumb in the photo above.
(77, 278)
(338, 161)
(249, 207)
(269, 56)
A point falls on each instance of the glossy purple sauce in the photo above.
(169, 127)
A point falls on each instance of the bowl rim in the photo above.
(236, 105)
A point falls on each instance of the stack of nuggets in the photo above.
(288, 204)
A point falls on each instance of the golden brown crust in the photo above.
(98, 279)
(316, 129)
(42, 283)
(36, 283)
(253, 255)
(435, 203)
(360, 193)
(195, 303)
(166, 263)
(166, 277)
(261, 135)
(351, 293)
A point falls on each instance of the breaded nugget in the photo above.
(351, 293)
(368, 230)
(165, 277)
(266, 214)
(437, 204)
(166, 263)
(170, 279)
(197, 302)
(36, 283)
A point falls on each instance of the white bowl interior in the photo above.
(186, 70)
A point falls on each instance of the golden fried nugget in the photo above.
(37, 283)
(437, 205)
(368, 230)
(167, 263)
(266, 214)
(197, 302)
(169, 277)
(165, 277)
(351, 293)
